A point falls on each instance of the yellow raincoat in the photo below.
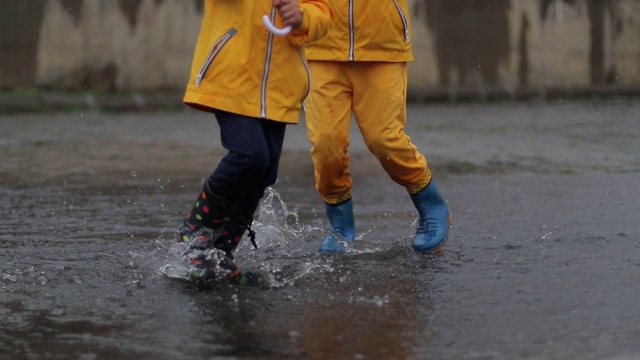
(240, 67)
(366, 30)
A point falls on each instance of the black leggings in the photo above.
(251, 165)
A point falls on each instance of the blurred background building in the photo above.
(462, 48)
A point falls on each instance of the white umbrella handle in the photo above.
(267, 22)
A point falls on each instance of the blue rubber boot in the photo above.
(433, 226)
(341, 219)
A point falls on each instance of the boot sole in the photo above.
(441, 247)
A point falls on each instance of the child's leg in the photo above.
(243, 168)
(225, 207)
(328, 116)
(380, 111)
(274, 138)
(236, 173)
(248, 169)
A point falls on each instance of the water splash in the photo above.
(287, 249)
(9, 277)
(284, 254)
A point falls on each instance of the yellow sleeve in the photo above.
(316, 22)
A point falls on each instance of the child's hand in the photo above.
(289, 12)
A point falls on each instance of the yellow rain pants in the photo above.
(376, 94)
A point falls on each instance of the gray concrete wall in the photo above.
(460, 45)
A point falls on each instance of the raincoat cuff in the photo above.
(304, 27)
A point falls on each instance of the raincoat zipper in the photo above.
(352, 35)
(213, 52)
(265, 76)
(405, 22)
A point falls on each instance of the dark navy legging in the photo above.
(251, 165)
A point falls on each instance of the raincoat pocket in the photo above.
(405, 22)
(213, 52)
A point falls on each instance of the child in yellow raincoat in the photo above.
(254, 82)
(361, 67)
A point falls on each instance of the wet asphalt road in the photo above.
(543, 260)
